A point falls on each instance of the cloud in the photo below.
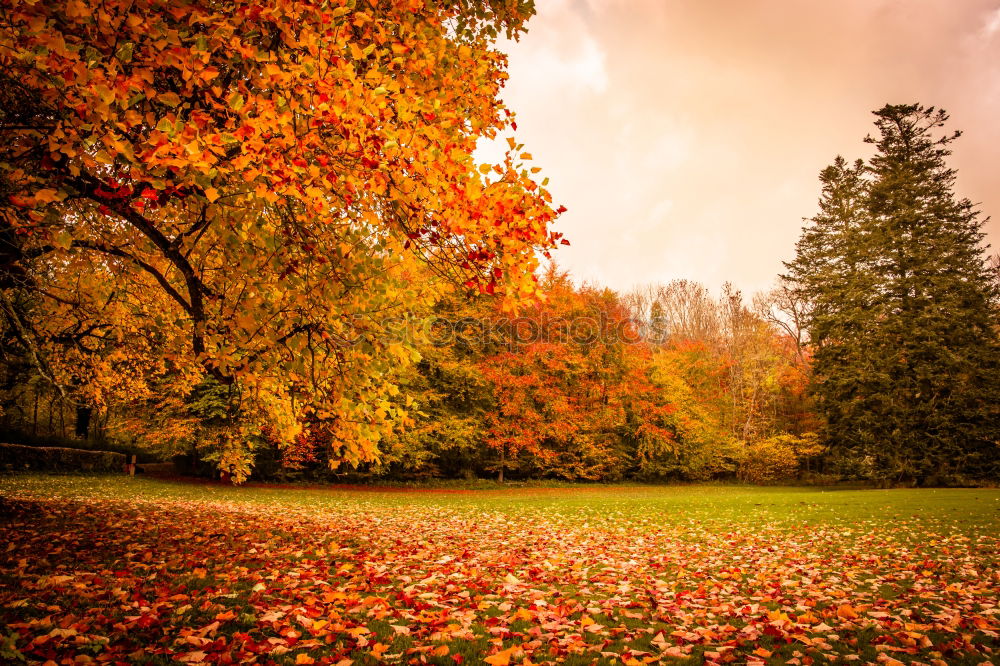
(991, 26)
(560, 53)
(580, 70)
(728, 110)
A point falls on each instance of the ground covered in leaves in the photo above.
(119, 570)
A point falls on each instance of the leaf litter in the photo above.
(131, 580)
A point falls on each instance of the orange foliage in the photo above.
(258, 189)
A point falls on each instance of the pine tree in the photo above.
(903, 315)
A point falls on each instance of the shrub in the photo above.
(776, 457)
(15, 457)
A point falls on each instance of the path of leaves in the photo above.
(124, 581)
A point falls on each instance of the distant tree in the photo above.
(902, 307)
(786, 309)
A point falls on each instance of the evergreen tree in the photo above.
(903, 315)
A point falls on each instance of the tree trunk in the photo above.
(83, 421)
(34, 417)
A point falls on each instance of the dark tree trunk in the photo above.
(83, 421)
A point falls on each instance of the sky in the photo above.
(685, 137)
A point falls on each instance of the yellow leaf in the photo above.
(63, 240)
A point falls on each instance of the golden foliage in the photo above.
(257, 198)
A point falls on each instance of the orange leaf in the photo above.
(500, 658)
(847, 612)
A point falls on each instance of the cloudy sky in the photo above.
(686, 136)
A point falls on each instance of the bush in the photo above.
(775, 458)
(15, 457)
(144, 455)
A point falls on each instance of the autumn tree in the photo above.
(239, 201)
(735, 376)
(450, 397)
(560, 383)
(691, 376)
(903, 315)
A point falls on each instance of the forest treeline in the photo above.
(667, 382)
(663, 383)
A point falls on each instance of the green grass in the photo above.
(730, 571)
(963, 509)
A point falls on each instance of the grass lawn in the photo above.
(113, 569)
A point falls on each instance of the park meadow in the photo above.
(116, 569)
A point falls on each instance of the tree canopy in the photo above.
(229, 212)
